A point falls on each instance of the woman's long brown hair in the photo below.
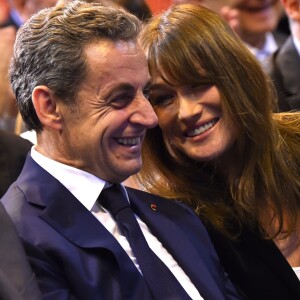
(264, 178)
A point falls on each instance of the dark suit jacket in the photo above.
(256, 266)
(13, 151)
(280, 37)
(73, 254)
(284, 69)
(17, 281)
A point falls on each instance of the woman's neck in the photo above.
(290, 248)
(288, 244)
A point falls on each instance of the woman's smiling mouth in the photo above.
(203, 128)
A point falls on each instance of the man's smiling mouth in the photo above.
(128, 141)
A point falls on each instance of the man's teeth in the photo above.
(202, 128)
(128, 141)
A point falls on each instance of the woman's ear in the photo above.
(46, 107)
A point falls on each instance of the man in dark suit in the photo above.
(13, 151)
(80, 77)
(284, 65)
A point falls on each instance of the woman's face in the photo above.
(191, 119)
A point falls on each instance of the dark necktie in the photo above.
(160, 280)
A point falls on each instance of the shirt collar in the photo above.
(269, 47)
(84, 186)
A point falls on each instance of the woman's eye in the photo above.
(161, 100)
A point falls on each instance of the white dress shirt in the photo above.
(86, 188)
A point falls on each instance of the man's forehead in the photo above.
(105, 47)
(112, 63)
(109, 57)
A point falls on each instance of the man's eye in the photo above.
(121, 101)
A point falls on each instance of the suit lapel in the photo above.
(165, 222)
(62, 211)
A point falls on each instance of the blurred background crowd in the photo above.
(263, 25)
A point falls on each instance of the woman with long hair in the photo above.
(220, 149)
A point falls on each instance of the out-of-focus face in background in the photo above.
(29, 7)
(214, 5)
(255, 16)
(258, 16)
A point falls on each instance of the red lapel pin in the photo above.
(153, 207)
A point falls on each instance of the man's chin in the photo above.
(131, 169)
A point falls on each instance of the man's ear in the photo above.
(46, 107)
(292, 8)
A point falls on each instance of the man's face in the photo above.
(103, 133)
